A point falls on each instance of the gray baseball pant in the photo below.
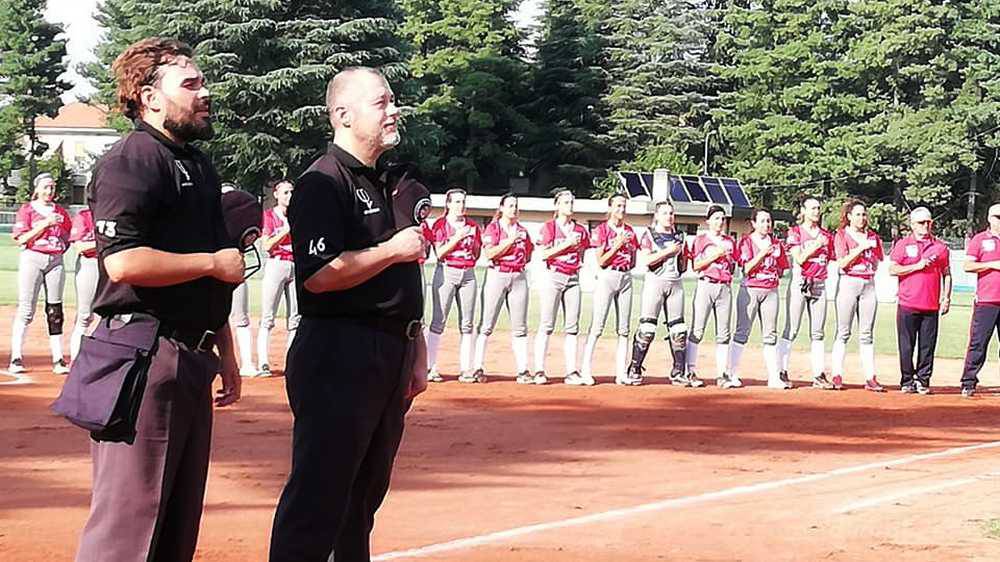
(500, 288)
(752, 304)
(446, 283)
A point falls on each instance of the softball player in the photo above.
(713, 257)
(457, 242)
(858, 251)
(279, 275)
(661, 250)
(508, 247)
(763, 260)
(239, 317)
(42, 229)
(811, 249)
(82, 237)
(562, 245)
(982, 258)
(616, 245)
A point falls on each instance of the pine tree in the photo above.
(31, 63)
(468, 81)
(571, 142)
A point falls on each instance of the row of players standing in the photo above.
(45, 232)
(714, 256)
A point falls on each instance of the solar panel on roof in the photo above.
(694, 188)
(647, 181)
(715, 190)
(736, 193)
(632, 184)
(677, 192)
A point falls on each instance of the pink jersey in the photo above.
(720, 270)
(83, 231)
(921, 290)
(603, 238)
(275, 220)
(985, 247)
(865, 265)
(768, 271)
(570, 261)
(814, 267)
(54, 239)
(516, 256)
(466, 252)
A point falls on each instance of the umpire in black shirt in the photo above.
(166, 264)
(354, 363)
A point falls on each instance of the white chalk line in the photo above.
(673, 503)
(911, 492)
(18, 379)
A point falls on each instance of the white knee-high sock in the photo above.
(784, 351)
(480, 355)
(621, 357)
(541, 350)
(288, 340)
(721, 358)
(466, 343)
(837, 358)
(263, 345)
(691, 354)
(569, 353)
(55, 344)
(771, 363)
(433, 341)
(244, 341)
(817, 353)
(868, 360)
(74, 341)
(586, 367)
(735, 354)
(519, 345)
(17, 339)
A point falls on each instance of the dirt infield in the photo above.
(507, 472)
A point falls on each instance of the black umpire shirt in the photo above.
(339, 205)
(148, 191)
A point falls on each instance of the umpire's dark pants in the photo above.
(985, 320)
(346, 387)
(916, 329)
(148, 496)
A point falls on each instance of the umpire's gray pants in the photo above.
(662, 294)
(239, 314)
(752, 304)
(560, 290)
(613, 287)
(86, 289)
(796, 303)
(856, 298)
(448, 281)
(279, 280)
(35, 269)
(510, 288)
(711, 299)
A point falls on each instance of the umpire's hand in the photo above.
(227, 266)
(408, 245)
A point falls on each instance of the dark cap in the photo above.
(243, 215)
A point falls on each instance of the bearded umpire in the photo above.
(352, 366)
(166, 271)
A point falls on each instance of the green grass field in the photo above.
(952, 339)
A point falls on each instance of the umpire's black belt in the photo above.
(409, 329)
(196, 340)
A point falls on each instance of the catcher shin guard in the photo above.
(54, 317)
(677, 336)
(640, 344)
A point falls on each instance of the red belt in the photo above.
(281, 257)
(714, 281)
(619, 268)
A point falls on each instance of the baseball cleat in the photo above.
(574, 379)
(820, 381)
(734, 381)
(60, 368)
(477, 376)
(248, 372)
(434, 376)
(524, 377)
(783, 375)
(872, 385)
(909, 388)
(779, 384)
(16, 366)
(540, 378)
(922, 389)
(693, 381)
(968, 391)
(265, 370)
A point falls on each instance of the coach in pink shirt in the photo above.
(982, 257)
(921, 262)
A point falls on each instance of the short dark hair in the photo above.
(714, 209)
(139, 66)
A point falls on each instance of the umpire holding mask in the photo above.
(357, 358)
(166, 271)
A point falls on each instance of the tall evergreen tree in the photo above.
(32, 57)
(469, 80)
(570, 146)
(267, 64)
